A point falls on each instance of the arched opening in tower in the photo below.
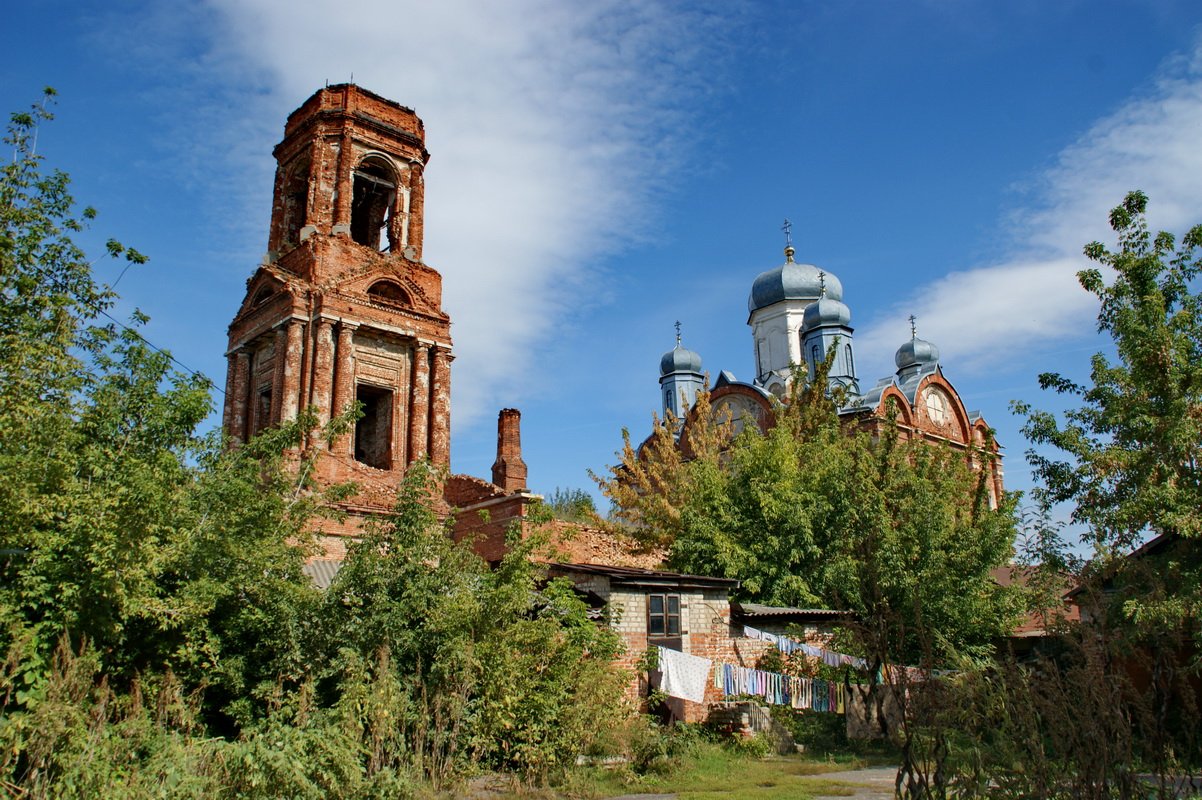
(373, 431)
(296, 201)
(372, 201)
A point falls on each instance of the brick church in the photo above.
(343, 310)
(798, 318)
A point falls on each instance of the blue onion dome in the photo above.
(916, 352)
(825, 311)
(679, 359)
(791, 281)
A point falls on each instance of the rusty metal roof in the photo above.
(633, 576)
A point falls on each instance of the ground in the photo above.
(719, 776)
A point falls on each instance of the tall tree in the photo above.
(119, 523)
(813, 513)
(1129, 458)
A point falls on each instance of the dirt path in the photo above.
(871, 783)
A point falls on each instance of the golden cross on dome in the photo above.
(788, 229)
(913, 327)
(822, 282)
(678, 331)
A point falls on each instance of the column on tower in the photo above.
(419, 402)
(227, 407)
(440, 411)
(278, 368)
(292, 357)
(239, 388)
(323, 373)
(343, 192)
(344, 382)
(417, 203)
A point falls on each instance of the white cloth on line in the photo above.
(683, 675)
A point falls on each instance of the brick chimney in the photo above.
(509, 470)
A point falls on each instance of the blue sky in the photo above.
(601, 170)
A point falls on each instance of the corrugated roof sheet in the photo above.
(322, 572)
(758, 611)
(634, 576)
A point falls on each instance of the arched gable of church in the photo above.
(903, 411)
(939, 410)
(741, 403)
(263, 287)
(390, 283)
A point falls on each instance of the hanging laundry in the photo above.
(683, 675)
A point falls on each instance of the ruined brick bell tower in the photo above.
(342, 307)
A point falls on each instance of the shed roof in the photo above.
(762, 612)
(649, 578)
(322, 571)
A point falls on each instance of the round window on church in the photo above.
(938, 407)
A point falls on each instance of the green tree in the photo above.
(1128, 459)
(493, 666)
(120, 525)
(813, 513)
(573, 505)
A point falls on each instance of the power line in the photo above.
(157, 349)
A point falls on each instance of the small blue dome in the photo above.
(916, 352)
(825, 311)
(679, 359)
(791, 281)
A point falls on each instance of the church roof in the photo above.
(825, 311)
(915, 352)
(679, 359)
(791, 281)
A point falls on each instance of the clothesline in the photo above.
(789, 646)
(814, 694)
(831, 658)
(685, 676)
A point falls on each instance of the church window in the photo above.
(372, 200)
(263, 410)
(851, 364)
(816, 356)
(296, 200)
(937, 406)
(373, 431)
(668, 404)
(390, 293)
(663, 615)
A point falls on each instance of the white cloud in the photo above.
(981, 315)
(551, 126)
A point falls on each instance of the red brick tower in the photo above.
(342, 307)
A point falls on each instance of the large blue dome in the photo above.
(792, 281)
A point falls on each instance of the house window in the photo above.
(373, 431)
(663, 615)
